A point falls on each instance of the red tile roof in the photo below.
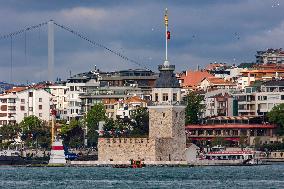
(16, 89)
(193, 78)
(134, 99)
(218, 81)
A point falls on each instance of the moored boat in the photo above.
(223, 157)
(11, 157)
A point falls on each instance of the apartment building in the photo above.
(20, 102)
(109, 96)
(259, 101)
(126, 107)
(214, 83)
(248, 77)
(77, 85)
(269, 56)
(59, 99)
(220, 104)
(143, 79)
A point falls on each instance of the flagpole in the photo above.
(166, 24)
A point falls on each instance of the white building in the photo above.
(270, 56)
(77, 85)
(21, 102)
(214, 83)
(59, 99)
(125, 107)
(220, 104)
(259, 102)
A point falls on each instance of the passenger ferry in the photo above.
(219, 156)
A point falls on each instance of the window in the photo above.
(264, 97)
(165, 97)
(30, 94)
(25, 114)
(282, 97)
(40, 114)
(40, 99)
(40, 107)
(175, 97)
(156, 97)
(22, 101)
(22, 108)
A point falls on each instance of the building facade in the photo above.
(255, 101)
(232, 130)
(21, 102)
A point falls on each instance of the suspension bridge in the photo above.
(50, 45)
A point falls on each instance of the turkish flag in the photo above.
(168, 34)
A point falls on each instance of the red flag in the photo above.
(168, 34)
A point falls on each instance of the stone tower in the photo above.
(167, 117)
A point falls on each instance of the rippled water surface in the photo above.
(265, 176)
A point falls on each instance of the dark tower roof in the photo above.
(167, 78)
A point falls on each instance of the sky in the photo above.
(202, 32)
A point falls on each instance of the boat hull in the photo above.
(12, 160)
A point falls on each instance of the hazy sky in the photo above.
(201, 32)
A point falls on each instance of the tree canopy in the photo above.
(35, 132)
(73, 134)
(276, 115)
(92, 119)
(193, 108)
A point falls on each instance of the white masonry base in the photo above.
(57, 155)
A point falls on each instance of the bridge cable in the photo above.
(22, 30)
(100, 45)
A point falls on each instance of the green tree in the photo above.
(193, 108)
(276, 115)
(9, 132)
(73, 134)
(140, 119)
(92, 119)
(35, 132)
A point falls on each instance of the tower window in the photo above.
(164, 115)
(165, 97)
(156, 97)
(175, 97)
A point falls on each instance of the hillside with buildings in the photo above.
(236, 99)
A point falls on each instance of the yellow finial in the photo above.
(166, 17)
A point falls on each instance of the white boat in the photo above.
(219, 156)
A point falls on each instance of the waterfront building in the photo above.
(232, 129)
(20, 102)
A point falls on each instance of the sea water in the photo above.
(264, 176)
